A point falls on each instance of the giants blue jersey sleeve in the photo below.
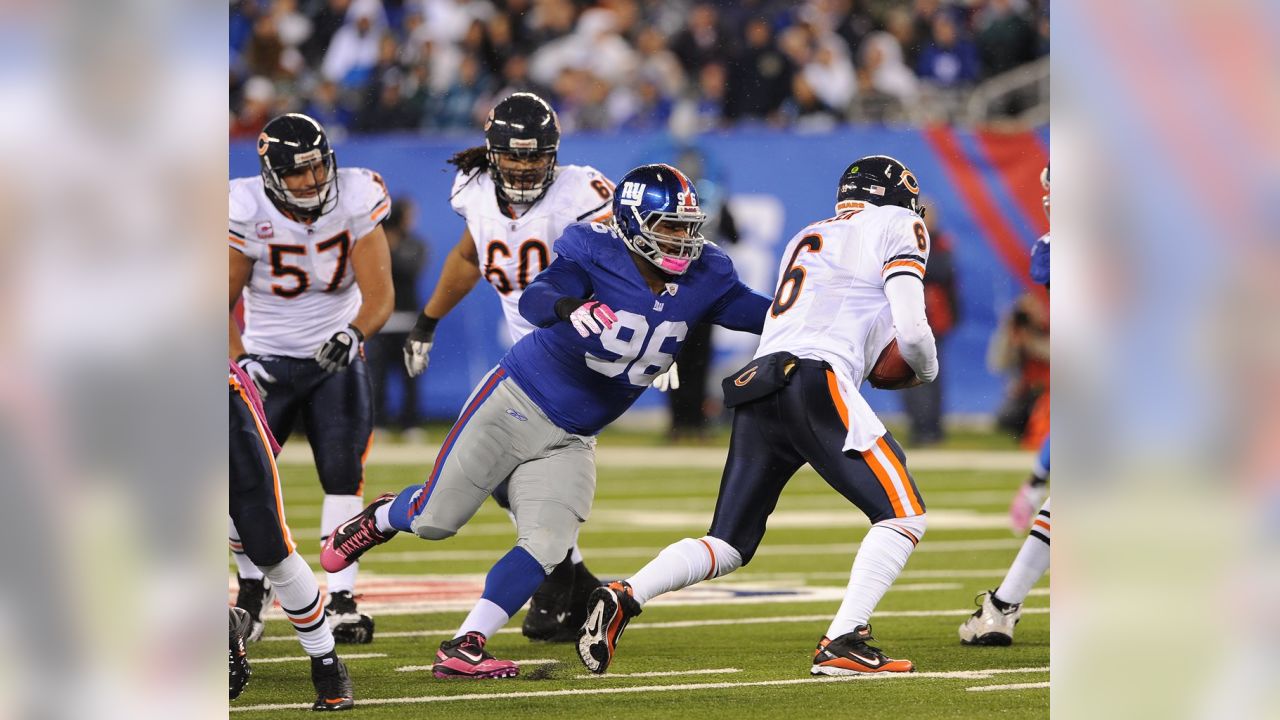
(583, 384)
(1040, 261)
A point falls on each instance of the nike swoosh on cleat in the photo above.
(593, 622)
(469, 656)
(869, 662)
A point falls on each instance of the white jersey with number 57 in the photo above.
(302, 288)
(513, 251)
(830, 302)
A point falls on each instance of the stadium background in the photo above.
(775, 161)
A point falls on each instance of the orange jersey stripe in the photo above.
(837, 399)
(912, 264)
(1039, 523)
(381, 206)
(602, 217)
(912, 498)
(235, 240)
(885, 482)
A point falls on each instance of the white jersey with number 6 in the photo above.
(514, 250)
(302, 289)
(830, 303)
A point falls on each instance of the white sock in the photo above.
(1031, 564)
(299, 597)
(682, 564)
(881, 557)
(336, 510)
(485, 618)
(244, 566)
(382, 517)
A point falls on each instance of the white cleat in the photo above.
(989, 625)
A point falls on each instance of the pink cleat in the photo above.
(352, 538)
(465, 657)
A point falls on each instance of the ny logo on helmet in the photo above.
(632, 193)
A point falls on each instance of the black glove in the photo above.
(340, 350)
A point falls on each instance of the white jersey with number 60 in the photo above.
(830, 303)
(514, 250)
(302, 289)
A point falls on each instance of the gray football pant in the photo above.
(501, 434)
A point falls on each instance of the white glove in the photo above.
(417, 346)
(340, 349)
(417, 355)
(669, 380)
(592, 318)
(256, 372)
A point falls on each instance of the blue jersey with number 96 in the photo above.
(583, 384)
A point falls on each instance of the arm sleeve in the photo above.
(741, 309)
(374, 202)
(915, 338)
(562, 278)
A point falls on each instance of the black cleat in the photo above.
(609, 609)
(255, 597)
(349, 625)
(850, 654)
(237, 657)
(332, 683)
(549, 607)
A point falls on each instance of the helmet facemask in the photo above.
(306, 188)
(522, 176)
(658, 242)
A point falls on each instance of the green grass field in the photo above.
(740, 644)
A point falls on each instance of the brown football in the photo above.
(891, 372)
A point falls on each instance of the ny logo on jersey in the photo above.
(632, 193)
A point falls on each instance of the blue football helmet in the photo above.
(653, 194)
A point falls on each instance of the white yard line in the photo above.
(974, 674)
(846, 549)
(710, 458)
(420, 668)
(641, 625)
(304, 658)
(667, 673)
(1011, 686)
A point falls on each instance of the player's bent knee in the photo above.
(725, 557)
(548, 545)
(913, 526)
(430, 532)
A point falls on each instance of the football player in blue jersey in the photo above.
(611, 312)
(1000, 609)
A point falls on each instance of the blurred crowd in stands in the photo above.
(375, 66)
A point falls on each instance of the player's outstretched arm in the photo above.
(741, 308)
(915, 337)
(559, 291)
